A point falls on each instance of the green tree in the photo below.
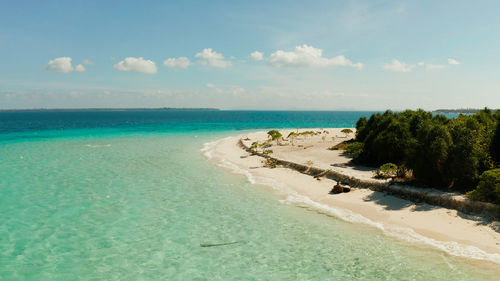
(488, 188)
(275, 135)
(347, 132)
(495, 143)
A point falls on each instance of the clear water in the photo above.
(129, 196)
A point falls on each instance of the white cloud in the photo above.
(212, 58)
(435, 66)
(80, 68)
(453, 61)
(88, 62)
(61, 65)
(210, 85)
(256, 56)
(180, 63)
(399, 66)
(307, 56)
(136, 65)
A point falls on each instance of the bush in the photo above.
(274, 135)
(388, 170)
(267, 151)
(346, 132)
(354, 149)
(488, 189)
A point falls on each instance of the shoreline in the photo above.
(418, 223)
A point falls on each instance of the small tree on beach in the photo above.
(347, 132)
(275, 135)
(292, 137)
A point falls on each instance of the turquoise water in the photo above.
(139, 202)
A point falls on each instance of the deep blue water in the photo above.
(37, 125)
(25, 121)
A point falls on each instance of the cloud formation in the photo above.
(399, 66)
(88, 62)
(256, 56)
(80, 68)
(139, 65)
(308, 56)
(211, 58)
(177, 63)
(61, 65)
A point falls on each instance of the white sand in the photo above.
(441, 228)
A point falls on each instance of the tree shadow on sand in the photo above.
(390, 202)
(482, 220)
(353, 166)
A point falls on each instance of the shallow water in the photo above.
(140, 201)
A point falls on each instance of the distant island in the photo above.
(110, 109)
(461, 110)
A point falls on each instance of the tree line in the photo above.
(447, 153)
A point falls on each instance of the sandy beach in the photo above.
(425, 225)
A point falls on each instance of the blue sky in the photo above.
(325, 55)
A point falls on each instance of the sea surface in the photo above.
(129, 195)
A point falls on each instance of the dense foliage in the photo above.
(388, 170)
(488, 188)
(446, 153)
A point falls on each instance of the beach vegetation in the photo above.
(386, 171)
(254, 145)
(267, 151)
(292, 137)
(488, 188)
(495, 143)
(354, 149)
(275, 135)
(347, 132)
(442, 152)
(307, 133)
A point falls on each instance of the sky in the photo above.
(263, 55)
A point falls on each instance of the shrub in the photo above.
(346, 132)
(388, 170)
(275, 135)
(488, 188)
(267, 151)
(354, 149)
(254, 145)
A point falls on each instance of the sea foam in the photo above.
(402, 233)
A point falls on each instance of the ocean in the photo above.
(130, 195)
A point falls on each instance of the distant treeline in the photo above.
(461, 110)
(449, 154)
